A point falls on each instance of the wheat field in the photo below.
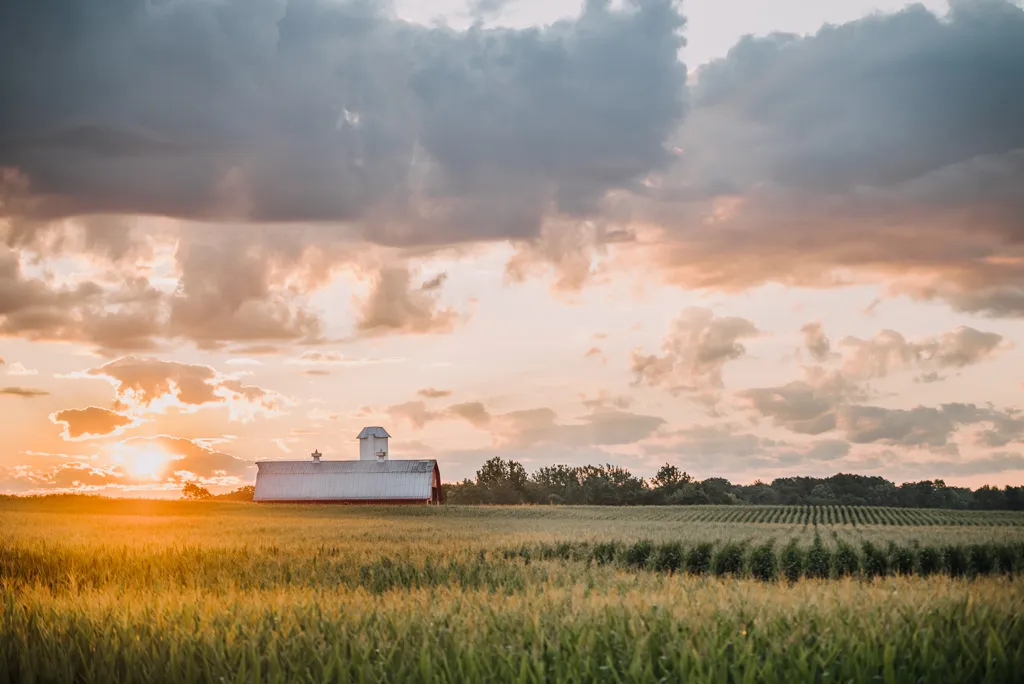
(116, 591)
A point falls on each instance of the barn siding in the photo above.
(345, 480)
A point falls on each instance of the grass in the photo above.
(108, 591)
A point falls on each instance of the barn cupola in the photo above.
(373, 444)
(316, 456)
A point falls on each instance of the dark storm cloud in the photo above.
(308, 110)
(890, 145)
(875, 102)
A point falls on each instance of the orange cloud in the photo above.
(91, 422)
(146, 385)
(136, 464)
(23, 392)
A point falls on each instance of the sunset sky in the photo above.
(750, 239)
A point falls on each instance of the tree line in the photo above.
(502, 481)
(193, 492)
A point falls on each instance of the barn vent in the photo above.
(316, 456)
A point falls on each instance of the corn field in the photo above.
(109, 591)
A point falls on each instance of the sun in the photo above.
(146, 463)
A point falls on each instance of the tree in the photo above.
(822, 495)
(555, 484)
(610, 485)
(243, 493)
(689, 494)
(989, 498)
(503, 481)
(718, 490)
(465, 492)
(670, 478)
(760, 494)
(194, 492)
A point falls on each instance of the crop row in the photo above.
(769, 561)
(927, 631)
(852, 515)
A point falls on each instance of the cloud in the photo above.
(258, 350)
(68, 476)
(537, 426)
(231, 284)
(91, 422)
(811, 406)
(830, 399)
(721, 449)
(415, 413)
(418, 415)
(1000, 462)
(695, 352)
(819, 451)
(804, 406)
(431, 393)
(707, 441)
(531, 427)
(925, 426)
(962, 347)
(334, 358)
(487, 9)
(244, 361)
(855, 154)
(816, 342)
(141, 463)
(421, 134)
(395, 305)
(184, 459)
(473, 412)
(39, 310)
(412, 447)
(572, 250)
(23, 392)
(240, 285)
(147, 385)
(889, 351)
(139, 381)
(17, 369)
(920, 426)
(605, 399)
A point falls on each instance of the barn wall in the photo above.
(345, 480)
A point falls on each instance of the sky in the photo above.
(750, 240)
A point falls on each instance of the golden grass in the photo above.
(179, 592)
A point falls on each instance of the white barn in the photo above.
(371, 479)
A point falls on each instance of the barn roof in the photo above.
(344, 480)
(373, 432)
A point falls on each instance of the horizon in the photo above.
(751, 244)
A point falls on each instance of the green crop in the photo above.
(107, 591)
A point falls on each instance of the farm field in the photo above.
(106, 591)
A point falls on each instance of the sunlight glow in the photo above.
(144, 461)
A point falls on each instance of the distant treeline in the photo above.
(506, 482)
(194, 492)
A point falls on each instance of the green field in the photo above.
(107, 591)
